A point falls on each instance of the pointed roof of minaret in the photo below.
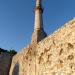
(38, 3)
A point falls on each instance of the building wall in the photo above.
(24, 62)
(5, 63)
(55, 55)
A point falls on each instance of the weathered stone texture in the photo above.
(25, 62)
(37, 36)
(5, 62)
(55, 55)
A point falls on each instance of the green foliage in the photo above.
(12, 52)
(2, 50)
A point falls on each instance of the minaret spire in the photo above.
(38, 3)
(38, 24)
(38, 33)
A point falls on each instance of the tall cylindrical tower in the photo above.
(38, 23)
(38, 33)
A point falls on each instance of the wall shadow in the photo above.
(16, 69)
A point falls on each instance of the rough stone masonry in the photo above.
(55, 55)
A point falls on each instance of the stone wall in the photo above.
(55, 55)
(5, 63)
(24, 62)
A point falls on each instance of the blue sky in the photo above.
(17, 20)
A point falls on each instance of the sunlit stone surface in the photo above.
(55, 55)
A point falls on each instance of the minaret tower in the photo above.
(38, 33)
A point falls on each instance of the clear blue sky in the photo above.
(17, 20)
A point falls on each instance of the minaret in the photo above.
(38, 33)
